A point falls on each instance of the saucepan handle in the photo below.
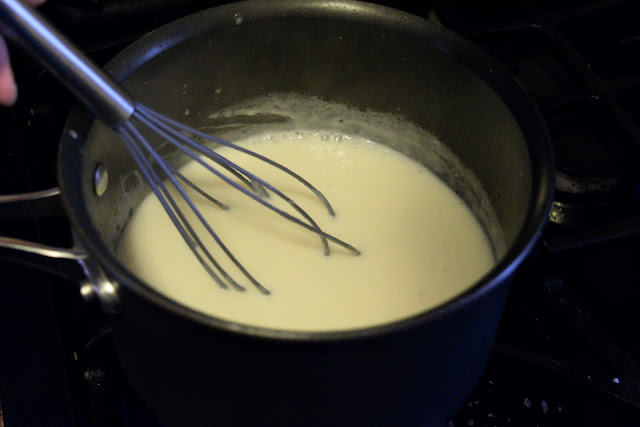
(73, 264)
(37, 205)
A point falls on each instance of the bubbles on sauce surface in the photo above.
(407, 238)
(282, 111)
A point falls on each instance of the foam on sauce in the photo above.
(420, 243)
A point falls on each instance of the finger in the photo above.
(8, 88)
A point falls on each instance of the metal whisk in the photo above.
(116, 108)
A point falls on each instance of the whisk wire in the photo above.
(212, 138)
(168, 133)
(167, 203)
(197, 189)
(112, 104)
(163, 127)
(133, 141)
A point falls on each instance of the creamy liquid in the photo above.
(420, 243)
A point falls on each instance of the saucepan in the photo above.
(196, 369)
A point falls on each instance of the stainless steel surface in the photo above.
(40, 249)
(102, 289)
(26, 197)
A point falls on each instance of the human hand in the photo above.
(8, 88)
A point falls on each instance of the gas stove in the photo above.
(568, 348)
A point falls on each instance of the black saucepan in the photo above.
(193, 369)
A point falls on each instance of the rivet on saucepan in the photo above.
(73, 134)
(238, 18)
(87, 291)
(100, 179)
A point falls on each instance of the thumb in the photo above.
(8, 88)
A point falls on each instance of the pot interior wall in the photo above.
(360, 64)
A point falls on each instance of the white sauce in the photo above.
(421, 245)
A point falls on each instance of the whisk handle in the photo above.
(92, 86)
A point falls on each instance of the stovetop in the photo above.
(568, 348)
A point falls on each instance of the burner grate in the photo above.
(571, 325)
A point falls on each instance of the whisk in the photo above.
(116, 108)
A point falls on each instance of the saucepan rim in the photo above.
(473, 58)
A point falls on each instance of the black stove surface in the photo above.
(568, 348)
